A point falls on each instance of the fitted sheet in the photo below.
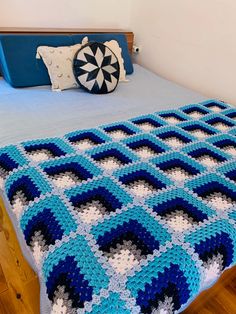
(38, 112)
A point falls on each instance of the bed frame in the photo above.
(68, 31)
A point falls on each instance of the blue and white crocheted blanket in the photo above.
(131, 217)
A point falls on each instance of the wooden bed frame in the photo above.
(68, 31)
(19, 285)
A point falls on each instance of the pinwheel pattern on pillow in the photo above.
(96, 68)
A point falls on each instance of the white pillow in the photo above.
(114, 46)
(59, 62)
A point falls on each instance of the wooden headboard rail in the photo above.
(68, 31)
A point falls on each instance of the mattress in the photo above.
(37, 112)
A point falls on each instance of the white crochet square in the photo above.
(219, 201)
(91, 212)
(199, 133)
(221, 126)
(84, 144)
(110, 163)
(178, 174)
(230, 150)
(38, 156)
(215, 108)
(179, 223)
(118, 134)
(174, 142)
(145, 152)
(123, 261)
(172, 120)
(141, 188)
(195, 114)
(208, 161)
(64, 181)
(146, 126)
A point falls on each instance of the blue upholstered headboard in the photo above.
(18, 50)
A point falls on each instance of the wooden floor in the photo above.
(220, 299)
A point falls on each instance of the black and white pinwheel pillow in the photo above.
(96, 68)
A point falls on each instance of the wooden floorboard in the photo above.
(219, 299)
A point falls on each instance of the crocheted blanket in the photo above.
(131, 217)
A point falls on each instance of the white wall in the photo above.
(189, 41)
(65, 13)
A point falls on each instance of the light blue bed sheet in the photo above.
(38, 112)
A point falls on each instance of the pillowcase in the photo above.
(17, 57)
(59, 62)
(101, 38)
(114, 46)
(96, 68)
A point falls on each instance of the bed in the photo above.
(206, 239)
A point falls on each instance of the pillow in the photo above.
(96, 68)
(21, 69)
(59, 62)
(114, 46)
(17, 58)
(102, 38)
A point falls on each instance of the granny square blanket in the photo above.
(131, 217)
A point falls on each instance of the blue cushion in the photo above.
(18, 62)
(120, 38)
(19, 65)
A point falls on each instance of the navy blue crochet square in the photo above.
(132, 230)
(94, 199)
(201, 151)
(44, 222)
(73, 274)
(231, 114)
(28, 184)
(142, 179)
(92, 136)
(194, 127)
(112, 155)
(69, 171)
(10, 159)
(220, 122)
(173, 136)
(215, 190)
(40, 150)
(166, 285)
(214, 105)
(229, 170)
(174, 162)
(127, 130)
(166, 282)
(146, 145)
(195, 110)
(152, 122)
(172, 114)
(179, 205)
(68, 274)
(214, 243)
